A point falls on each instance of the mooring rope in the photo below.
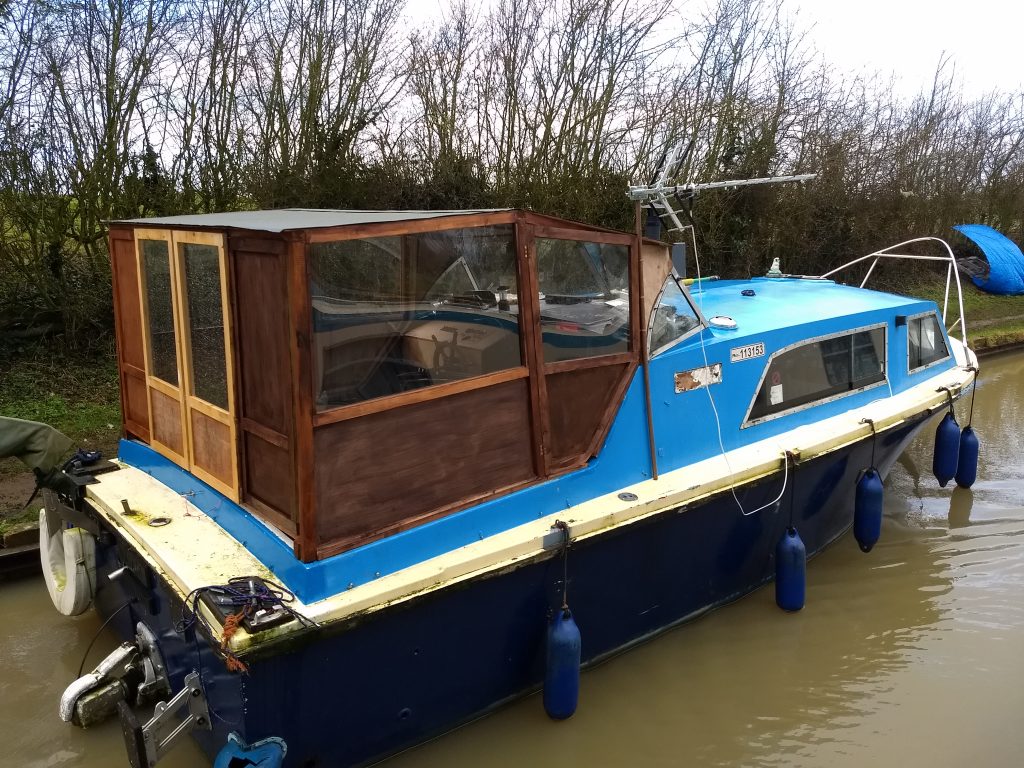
(246, 593)
(564, 528)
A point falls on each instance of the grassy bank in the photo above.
(993, 321)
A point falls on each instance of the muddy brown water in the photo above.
(912, 655)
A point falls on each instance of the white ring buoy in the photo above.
(68, 557)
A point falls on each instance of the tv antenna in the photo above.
(663, 195)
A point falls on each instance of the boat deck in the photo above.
(195, 550)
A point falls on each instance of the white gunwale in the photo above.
(205, 554)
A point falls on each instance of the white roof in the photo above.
(284, 219)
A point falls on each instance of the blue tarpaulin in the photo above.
(1005, 260)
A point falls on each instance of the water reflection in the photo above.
(961, 501)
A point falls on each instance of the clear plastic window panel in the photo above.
(673, 317)
(394, 314)
(206, 323)
(584, 298)
(156, 270)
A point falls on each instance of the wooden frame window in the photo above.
(187, 340)
(435, 310)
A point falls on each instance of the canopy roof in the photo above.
(281, 220)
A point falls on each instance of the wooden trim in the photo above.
(645, 352)
(193, 402)
(214, 482)
(407, 227)
(529, 306)
(610, 411)
(271, 515)
(166, 451)
(533, 218)
(336, 546)
(422, 395)
(264, 433)
(134, 428)
(118, 341)
(208, 409)
(216, 239)
(152, 382)
(162, 386)
(234, 385)
(587, 236)
(636, 305)
(536, 219)
(247, 244)
(300, 320)
(131, 370)
(583, 363)
(530, 341)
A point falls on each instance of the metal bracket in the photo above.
(154, 672)
(149, 743)
(78, 518)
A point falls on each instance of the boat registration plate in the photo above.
(749, 352)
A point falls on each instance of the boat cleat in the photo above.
(133, 672)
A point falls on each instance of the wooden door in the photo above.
(158, 291)
(587, 339)
(183, 277)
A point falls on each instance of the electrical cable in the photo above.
(714, 408)
(95, 637)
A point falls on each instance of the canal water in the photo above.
(912, 655)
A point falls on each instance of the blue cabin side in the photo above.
(781, 314)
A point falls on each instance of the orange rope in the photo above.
(231, 624)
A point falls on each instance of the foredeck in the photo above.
(790, 302)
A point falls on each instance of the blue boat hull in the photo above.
(355, 692)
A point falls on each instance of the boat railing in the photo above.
(952, 273)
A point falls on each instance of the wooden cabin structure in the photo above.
(345, 375)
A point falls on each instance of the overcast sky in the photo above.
(985, 39)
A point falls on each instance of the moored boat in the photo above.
(371, 456)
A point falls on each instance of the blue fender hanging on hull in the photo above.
(790, 571)
(867, 510)
(562, 671)
(947, 449)
(967, 464)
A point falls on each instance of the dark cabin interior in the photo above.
(345, 375)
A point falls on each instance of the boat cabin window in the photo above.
(673, 317)
(584, 298)
(925, 341)
(392, 314)
(155, 258)
(820, 370)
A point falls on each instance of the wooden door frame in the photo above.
(528, 229)
(152, 381)
(191, 401)
(182, 393)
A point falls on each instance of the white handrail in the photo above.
(951, 271)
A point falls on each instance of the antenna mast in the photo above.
(661, 192)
